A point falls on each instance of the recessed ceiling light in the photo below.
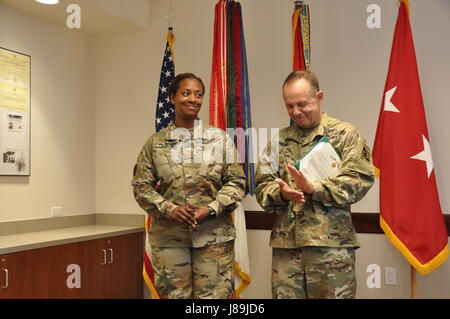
(48, 1)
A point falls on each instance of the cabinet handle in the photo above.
(104, 256)
(6, 279)
(111, 260)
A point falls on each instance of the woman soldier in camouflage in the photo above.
(188, 178)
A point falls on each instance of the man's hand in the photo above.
(184, 215)
(289, 193)
(200, 212)
(300, 180)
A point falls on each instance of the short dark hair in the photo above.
(309, 76)
(175, 83)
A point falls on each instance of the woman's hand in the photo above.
(184, 215)
(200, 212)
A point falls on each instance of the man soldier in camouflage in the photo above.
(313, 237)
(200, 182)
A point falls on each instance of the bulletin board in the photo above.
(15, 108)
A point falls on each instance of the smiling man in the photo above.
(313, 237)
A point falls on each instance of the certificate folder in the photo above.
(320, 162)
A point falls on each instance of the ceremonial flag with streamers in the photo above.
(218, 86)
(164, 116)
(301, 50)
(300, 38)
(410, 213)
(229, 107)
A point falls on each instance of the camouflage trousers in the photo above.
(313, 272)
(186, 273)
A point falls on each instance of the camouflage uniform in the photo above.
(205, 272)
(324, 220)
(197, 166)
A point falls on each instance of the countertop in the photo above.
(33, 240)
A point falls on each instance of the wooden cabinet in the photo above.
(125, 277)
(3, 277)
(115, 270)
(102, 268)
(72, 262)
(26, 274)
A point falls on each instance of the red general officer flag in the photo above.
(410, 213)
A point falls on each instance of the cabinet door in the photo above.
(4, 277)
(70, 268)
(126, 268)
(29, 274)
(91, 260)
(96, 283)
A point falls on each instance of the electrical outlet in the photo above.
(56, 211)
(390, 275)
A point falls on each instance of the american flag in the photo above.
(164, 112)
(164, 115)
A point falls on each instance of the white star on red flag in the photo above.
(425, 155)
(388, 106)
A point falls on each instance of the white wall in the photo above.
(135, 11)
(62, 119)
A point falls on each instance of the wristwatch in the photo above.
(212, 213)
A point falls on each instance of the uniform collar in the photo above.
(305, 136)
(170, 128)
(189, 132)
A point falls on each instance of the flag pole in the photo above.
(412, 270)
(413, 283)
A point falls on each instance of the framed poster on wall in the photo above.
(15, 107)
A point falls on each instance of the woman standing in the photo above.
(185, 180)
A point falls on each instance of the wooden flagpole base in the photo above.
(413, 283)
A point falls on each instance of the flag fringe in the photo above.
(148, 264)
(246, 280)
(149, 284)
(423, 269)
(376, 172)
